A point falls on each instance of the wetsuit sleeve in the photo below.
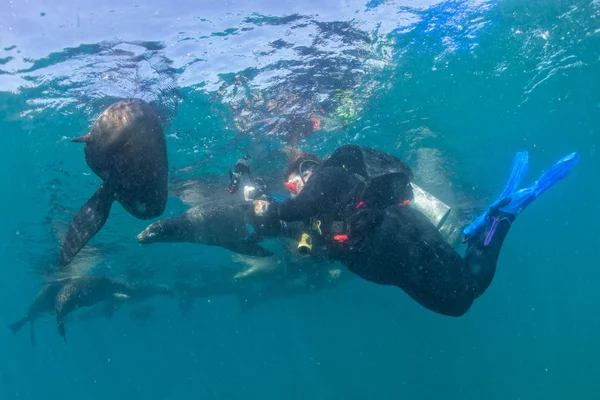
(321, 195)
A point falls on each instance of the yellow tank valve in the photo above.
(305, 244)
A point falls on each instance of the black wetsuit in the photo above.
(322, 195)
(396, 245)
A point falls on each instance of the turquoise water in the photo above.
(454, 88)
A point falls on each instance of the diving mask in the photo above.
(295, 183)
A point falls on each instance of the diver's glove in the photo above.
(265, 208)
(266, 216)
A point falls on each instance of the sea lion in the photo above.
(216, 282)
(44, 303)
(126, 148)
(220, 225)
(90, 290)
(66, 295)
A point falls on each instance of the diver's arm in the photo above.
(295, 209)
(320, 194)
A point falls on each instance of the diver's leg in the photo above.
(481, 259)
(400, 247)
(487, 233)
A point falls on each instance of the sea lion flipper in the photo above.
(60, 313)
(81, 139)
(16, 326)
(109, 309)
(253, 270)
(61, 331)
(250, 248)
(86, 223)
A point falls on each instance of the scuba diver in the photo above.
(295, 175)
(307, 234)
(254, 188)
(362, 196)
(302, 167)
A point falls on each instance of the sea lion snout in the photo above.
(147, 235)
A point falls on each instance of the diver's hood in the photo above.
(387, 178)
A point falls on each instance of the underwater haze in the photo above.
(454, 88)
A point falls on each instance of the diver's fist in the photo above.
(265, 218)
(261, 207)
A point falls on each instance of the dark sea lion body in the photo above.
(67, 295)
(44, 303)
(220, 225)
(83, 292)
(126, 148)
(216, 282)
(90, 290)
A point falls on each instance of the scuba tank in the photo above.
(434, 209)
(387, 181)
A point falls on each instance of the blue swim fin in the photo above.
(519, 168)
(511, 203)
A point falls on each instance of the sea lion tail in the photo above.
(81, 139)
(86, 223)
(109, 308)
(16, 326)
(61, 331)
